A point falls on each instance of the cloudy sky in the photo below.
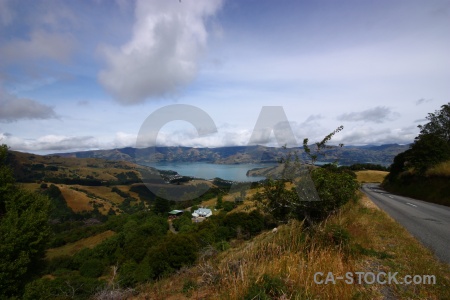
(79, 75)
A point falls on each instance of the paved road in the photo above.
(428, 222)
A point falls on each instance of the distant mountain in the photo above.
(347, 155)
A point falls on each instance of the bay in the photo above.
(235, 172)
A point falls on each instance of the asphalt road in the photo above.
(428, 222)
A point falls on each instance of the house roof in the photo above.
(175, 212)
(203, 211)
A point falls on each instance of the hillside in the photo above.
(283, 264)
(88, 171)
(346, 155)
(433, 186)
(93, 186)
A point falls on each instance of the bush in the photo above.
(228, 206)
(336, 235)
(270, 287)
(92, 268)
(172, 253)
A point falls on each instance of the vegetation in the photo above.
(24, 231)
(307, 193)
(371, 176)
(421, 171)
(119, 242)
(282, 265)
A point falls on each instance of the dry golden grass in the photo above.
(442, 169)
(72, 248)
(377, 243)
(247, 206)
(77, 201)
(32, 187)
(371, 176)
(103, 192)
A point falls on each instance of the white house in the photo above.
(202, 212)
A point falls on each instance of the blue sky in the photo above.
(79, 75)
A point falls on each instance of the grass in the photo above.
(72, 248)
(77, 201)
(246, 206)
(442, 169)
(371, 176)
(283, 264)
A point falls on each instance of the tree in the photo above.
(24, 231)
(438, 125)
(320, 146)
(219, 201)
(427, 151)
(313, 193)
(162, 206)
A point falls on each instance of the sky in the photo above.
(83, 75)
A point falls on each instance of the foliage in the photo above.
(172, 253)
(334, 189)
(320, 146)
(438, 125)
(228, 206)
(162, 206)
(92, 268)
(58, 205)
(307, 193)
(269, 287)
(431, 146)
(359, 167)
(219, 201)
(183, 223)
(427, 151)
(24, 231)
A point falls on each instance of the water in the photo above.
(235, 172)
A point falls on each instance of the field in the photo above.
(371, 176)
(72, 248)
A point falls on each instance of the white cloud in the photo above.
(123, 140)
(13, 108)
(363, 135)
(50, 143)
(163, 54)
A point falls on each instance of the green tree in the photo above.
(313, 193)
(162, 206)
(219, 201)
(24, 231)
(427, 151)
(430, 147)
(438, 125)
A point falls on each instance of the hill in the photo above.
(94, 187)
(346, 155)
(282, 264)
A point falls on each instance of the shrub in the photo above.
(228, 206)
(270, 287)
(92, 268)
